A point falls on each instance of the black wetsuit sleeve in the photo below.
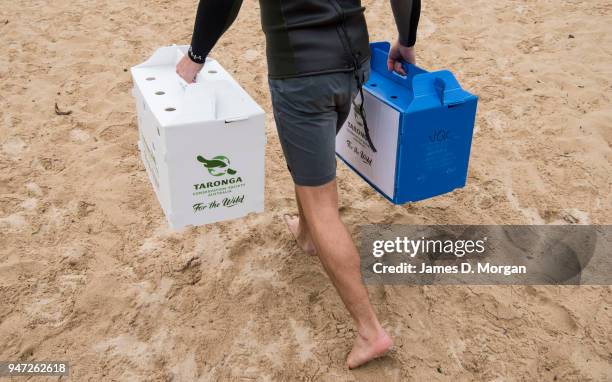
(213, 18)
(407, 14)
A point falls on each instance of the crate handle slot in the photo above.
(402, 76)
(236, 119)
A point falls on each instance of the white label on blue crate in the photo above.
(351, 143)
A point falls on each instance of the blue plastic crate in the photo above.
(421, 126)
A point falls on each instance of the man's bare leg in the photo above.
(298, 227)
(341, 261)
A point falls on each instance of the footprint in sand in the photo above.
(426, 27)
(79, 135)
(495, 120)
(34, 188)
(304, 341)
(250, 55)
(75, 257)
(12, 223)
(29, 204)
(13, 146)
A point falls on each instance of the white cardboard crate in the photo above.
(202, 144)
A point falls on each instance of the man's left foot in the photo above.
(302, 237)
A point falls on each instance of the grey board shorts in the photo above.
(309, 111)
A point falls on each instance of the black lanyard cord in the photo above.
(361, 110)
(356, 66)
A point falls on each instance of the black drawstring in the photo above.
(356, 66)
(360, 82)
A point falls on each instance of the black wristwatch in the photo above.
(194, 57)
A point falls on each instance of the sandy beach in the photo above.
(90, 272)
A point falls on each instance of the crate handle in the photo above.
(379, 56)
(442, 85)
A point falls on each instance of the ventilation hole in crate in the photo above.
(158, 131)
(393, 97)
(212, 71)
(170, 109)
(160, 93)
(373, 85)
(153, 145)
(150, 78)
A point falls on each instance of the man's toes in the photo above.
(292, 222)
(291, 219)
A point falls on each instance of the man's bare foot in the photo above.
(302, 237)
(367, 349)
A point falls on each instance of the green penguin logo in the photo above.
(217, 166)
